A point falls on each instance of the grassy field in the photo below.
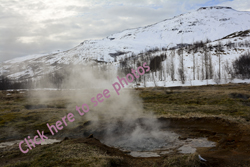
(21, 114)
(220, 100)
(67, 153)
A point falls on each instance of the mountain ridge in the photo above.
(215, 22)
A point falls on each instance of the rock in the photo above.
(90, 136)
(66, 138)
(182, 138)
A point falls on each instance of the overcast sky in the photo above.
(42, 26)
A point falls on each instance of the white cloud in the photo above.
(26, 39)
(241, 5)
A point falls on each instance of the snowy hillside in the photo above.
(213, 23)
(199, 63)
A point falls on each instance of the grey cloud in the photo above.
(243, 5)
(94, 21)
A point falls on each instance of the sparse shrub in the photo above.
(242, 66)
(155, 64)
(217, 80)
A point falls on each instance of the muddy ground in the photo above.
(232, 141)
(218, 113)
(232, 145)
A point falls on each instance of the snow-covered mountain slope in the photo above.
(211, 23)
(198, 61)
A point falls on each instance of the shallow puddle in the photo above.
(10, 143)
(152, 145)
(190, 145)
(182, 146)
(146, 137)
(143, 154)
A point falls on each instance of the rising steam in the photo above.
(118, 117)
